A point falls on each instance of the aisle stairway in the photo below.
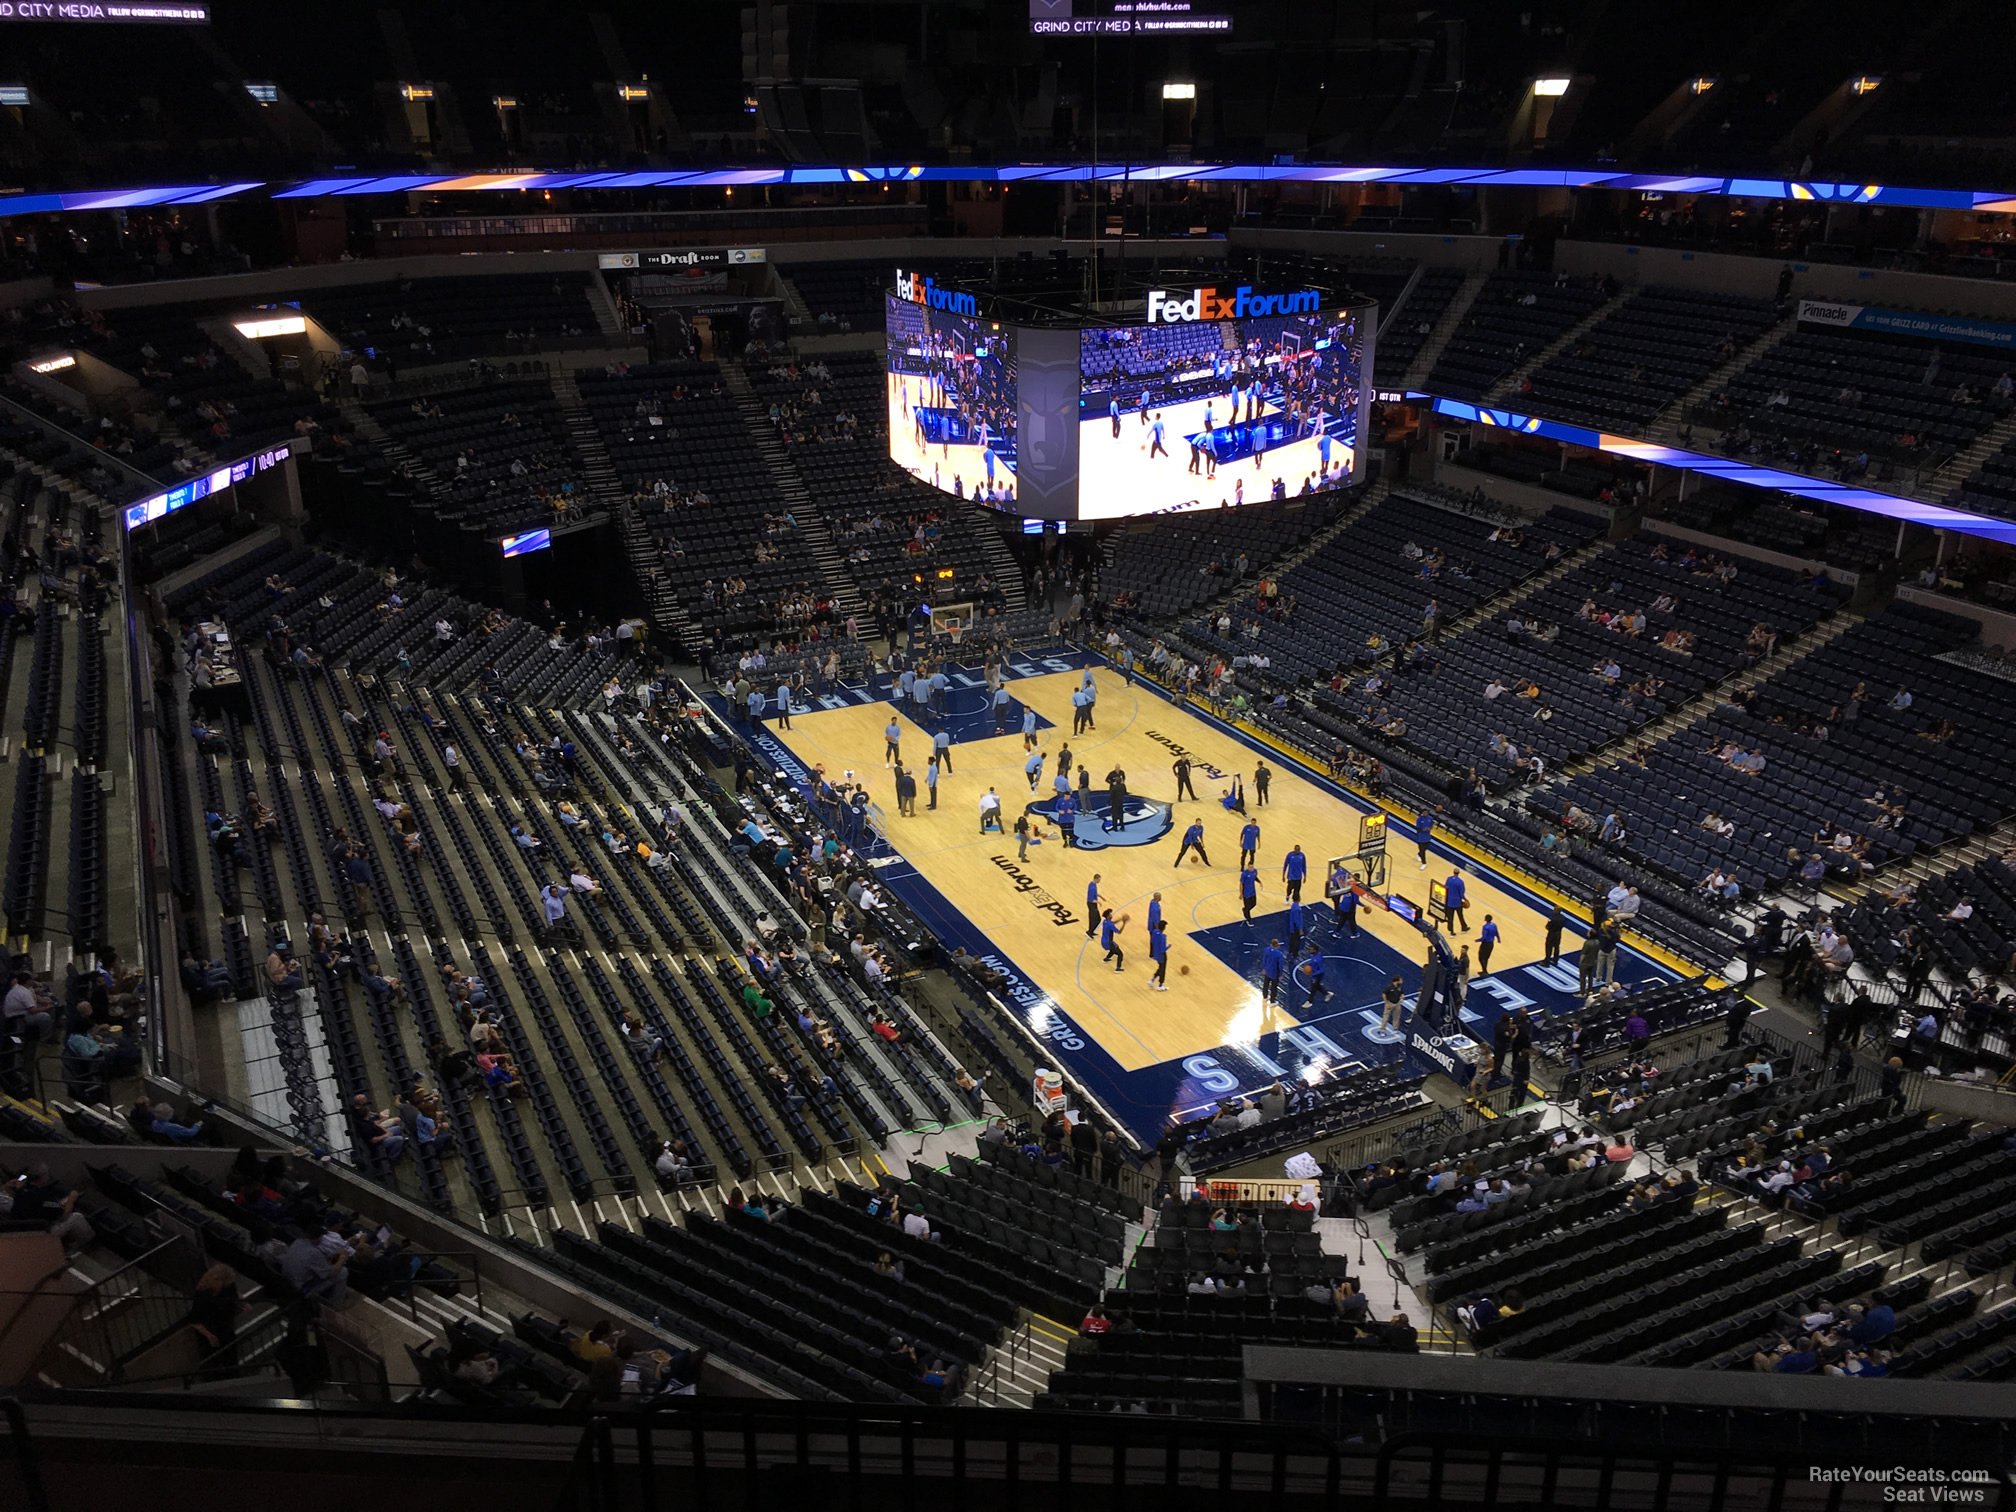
(1666, 424)
(792, 492)
(1438, 338)
(598, 469)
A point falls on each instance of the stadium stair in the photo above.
(1016, 1369)
(1431, 350)
(1795, 649)
(1666, 424)
(396, 452)
(1506, 390)
(1363, 505)
(1005, 570)
(668, 615)
(1965, 463)
(792, 492)
(1398, 305)
(606, 319)
(1496, 608)
(596, 463)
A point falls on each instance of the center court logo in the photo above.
(1242, 303)
(919, 290)
(1146, 821)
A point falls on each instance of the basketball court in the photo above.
(1148, 1054)
(1117, 476)
(939, 463)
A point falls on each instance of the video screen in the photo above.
(1208, 414)
(951, 394)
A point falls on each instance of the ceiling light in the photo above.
(285, 325)
(1179, 91)
(1550, 89)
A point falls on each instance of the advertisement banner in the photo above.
(679, 261)
(1827, 312)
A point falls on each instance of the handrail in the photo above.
(34, 1497)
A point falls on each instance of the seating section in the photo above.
(1965, 920)
(609, 1056)
(1351, 1099)
(1991, 488)
(1180, 561)
(417, 321)
(832, 421)
(1513, 318)
(495, 457)
(1653, 348)
(1949, 781)
(1560, 701)
(732, 552)
(773, 1295)
(1401, 338)
(1820, 396)
(1377, 577)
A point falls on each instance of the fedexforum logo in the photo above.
(1195, 760)
(1024, 883)
(923, 291)
(1241, 303)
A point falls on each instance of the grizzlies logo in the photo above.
(1142, 822)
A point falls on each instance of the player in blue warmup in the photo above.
(1066, 815)
(1249, 891)
(1311, 972)
(1273, 961)
(1109, 936)
(1294, 868)
(1344, 898)
(1158, 952)
(1453, 894)
(1249, 843)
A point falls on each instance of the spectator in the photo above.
(38, 1198)
(157, 1121)
(314, 1274)
(22, 1013)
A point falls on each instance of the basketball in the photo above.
(1182, 971)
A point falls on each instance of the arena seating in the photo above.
(417, 321)
(1347, 593)
(1645, 354)
(706, 1063)
(1502, 329)
(1183, 560)
(1843, 538)
(1821, 396)
(1950, 785)
(884, 526)
(681, 448)
(1402, 338)
(1991, 488)
(497, 455)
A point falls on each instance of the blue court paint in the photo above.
(1339, 1032)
